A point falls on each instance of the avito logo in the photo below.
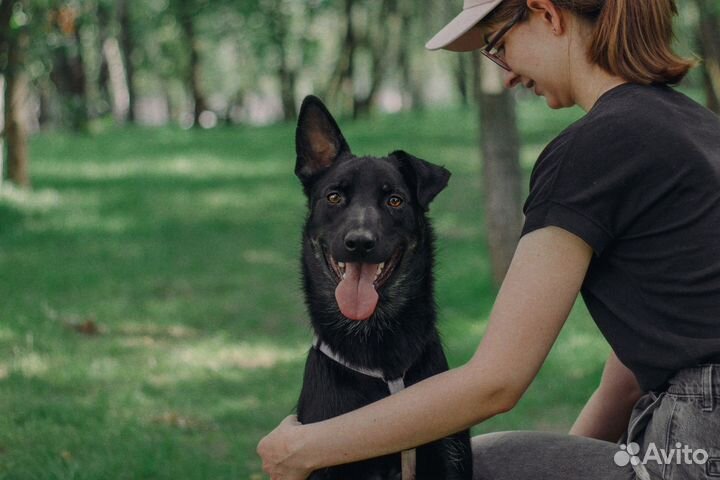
(681, 454)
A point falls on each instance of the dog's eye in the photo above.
(395, 201)
(334, 198)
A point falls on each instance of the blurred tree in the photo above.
(91, 57)
(341, 81)
(413, 34)
(502, 177)
(14, 42)
(280, 34)
(39, 62)
(112, 78)
(186, 13)
(709, 45)
(379, 42)
(232, 70)
(376, 42)
(278, 17)
(463, 79)
(68, 72)
(127, 48)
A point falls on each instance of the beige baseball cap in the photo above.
(458, 35)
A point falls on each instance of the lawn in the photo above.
(151, 319)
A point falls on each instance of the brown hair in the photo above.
(631, 38)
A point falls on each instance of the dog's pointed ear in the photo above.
(318, 140)
(425, 178)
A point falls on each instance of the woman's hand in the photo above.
(278, 451)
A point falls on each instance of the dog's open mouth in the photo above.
(358, 284)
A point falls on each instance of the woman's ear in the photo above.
(550, 13)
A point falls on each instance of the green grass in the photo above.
(181, 246)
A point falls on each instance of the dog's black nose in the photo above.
(359, 242)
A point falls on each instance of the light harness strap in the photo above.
(408, 456)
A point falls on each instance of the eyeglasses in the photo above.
(492, 52)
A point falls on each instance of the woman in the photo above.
(624, 206)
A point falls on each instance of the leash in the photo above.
(407, 456)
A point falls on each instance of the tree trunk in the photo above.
(16, 92)
(287, 90)
(6, 7)
(113, 87)
(47, 114)
(127, 47)
(119, 95)
(502, 178)
(382, 46)
(341, 81)
(461, 78)
(68, 73)
(193, 79)
(347, 84)
(709, 45)
(2, 131)
(287, 71)
(412, 98)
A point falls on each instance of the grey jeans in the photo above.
(672, 435)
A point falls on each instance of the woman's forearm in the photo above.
(606, 415)
(434, 408)
(538, 292)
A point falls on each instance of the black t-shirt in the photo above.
(638, 178)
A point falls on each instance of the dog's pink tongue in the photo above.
(355, 294)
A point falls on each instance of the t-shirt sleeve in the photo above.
(579, 184)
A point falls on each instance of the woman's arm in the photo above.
(534, 301)
(607, 413)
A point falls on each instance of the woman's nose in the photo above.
(510, 79)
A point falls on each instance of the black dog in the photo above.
(367, 269)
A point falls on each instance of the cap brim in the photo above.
(458, 35)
